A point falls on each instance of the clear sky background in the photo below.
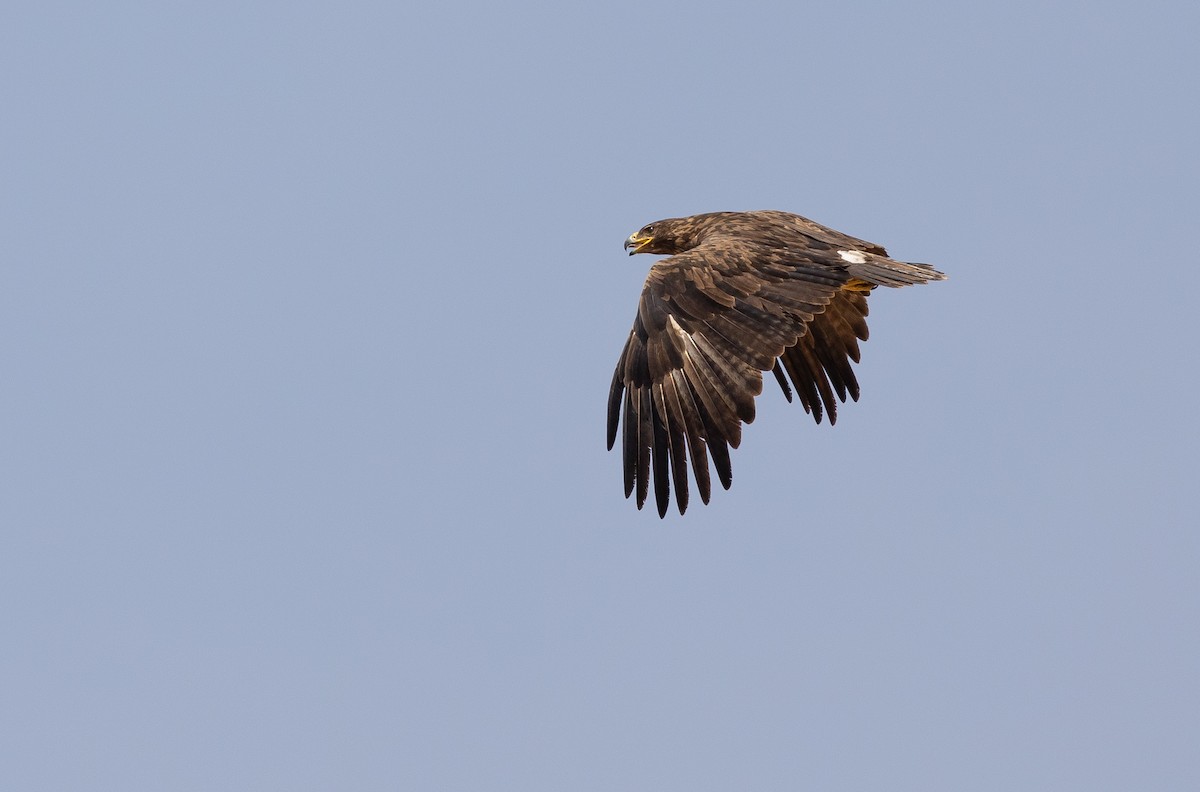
(308, 313)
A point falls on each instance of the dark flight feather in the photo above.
(741, 293)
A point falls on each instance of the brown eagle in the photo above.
(742, 293)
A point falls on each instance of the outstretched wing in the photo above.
(819, 364)
(709, 322)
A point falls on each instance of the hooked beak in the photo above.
(637, 243)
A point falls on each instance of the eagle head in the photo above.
(664, 237)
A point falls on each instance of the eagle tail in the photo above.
(883, 271)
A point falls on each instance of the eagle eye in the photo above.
(648, 229)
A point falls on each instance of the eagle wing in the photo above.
(709, 322)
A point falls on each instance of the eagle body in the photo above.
(740, 294)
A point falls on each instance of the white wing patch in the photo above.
(682, 334)
(690, 350)
(852, 256)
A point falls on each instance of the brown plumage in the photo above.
(742, 293)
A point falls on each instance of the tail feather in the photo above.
(884, 271)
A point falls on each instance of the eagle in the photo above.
(741, 293)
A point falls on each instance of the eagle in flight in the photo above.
(741, 293)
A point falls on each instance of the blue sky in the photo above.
(308, 314)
